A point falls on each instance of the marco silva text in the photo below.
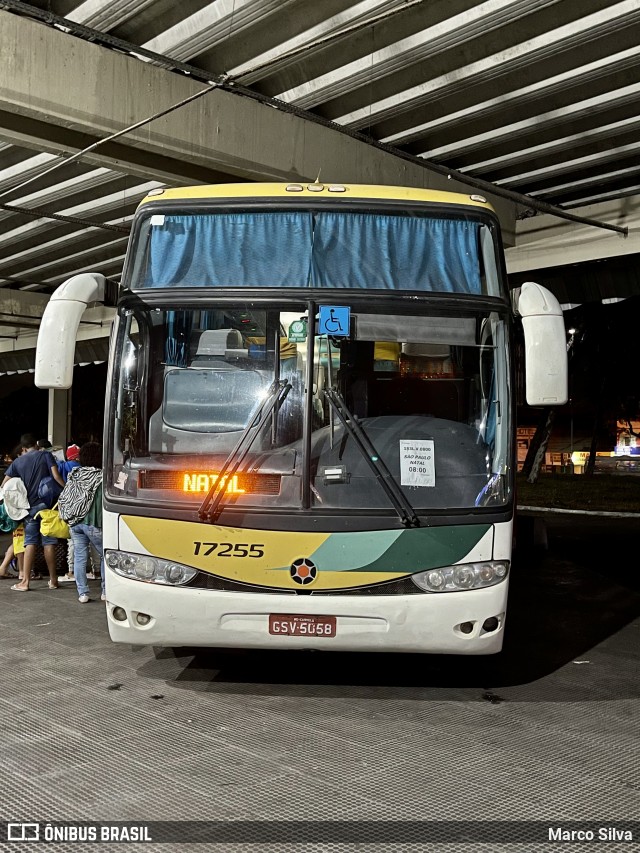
(602, 833)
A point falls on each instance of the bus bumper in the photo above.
(432, 623)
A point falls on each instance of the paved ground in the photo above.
(546, 731)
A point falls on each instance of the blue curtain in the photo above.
(332, 250)
(176, 345)
(231, 250)
(396, 253)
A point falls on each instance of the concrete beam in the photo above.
(546, 241)
(59, 93)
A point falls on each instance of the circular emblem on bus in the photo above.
(303, 571)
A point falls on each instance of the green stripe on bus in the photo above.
(404, 551)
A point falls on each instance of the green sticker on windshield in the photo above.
(298, 331)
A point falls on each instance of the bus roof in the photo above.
(317, 190)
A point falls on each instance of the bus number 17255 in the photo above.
(227, 549)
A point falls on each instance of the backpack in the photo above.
(49, 492)
(78, 494)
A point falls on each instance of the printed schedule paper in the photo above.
(417, 467)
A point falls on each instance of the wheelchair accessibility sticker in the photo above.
(334, 320)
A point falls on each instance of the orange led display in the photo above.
(195, 483)
(200, 482)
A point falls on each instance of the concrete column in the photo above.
(59, 417)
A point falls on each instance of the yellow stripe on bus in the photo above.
(261, 557)
(193, 544)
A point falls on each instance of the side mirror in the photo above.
(58, 330)
(546, 372)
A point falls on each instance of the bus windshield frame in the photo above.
(355, 245)
(453, 369)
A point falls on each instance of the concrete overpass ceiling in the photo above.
(537, 96)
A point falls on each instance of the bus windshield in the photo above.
(428, 387)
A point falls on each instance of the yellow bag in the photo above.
(18, 540)
(52, 525)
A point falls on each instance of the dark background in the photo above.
(23, 407)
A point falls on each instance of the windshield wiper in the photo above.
(212, 505)
(406, 512)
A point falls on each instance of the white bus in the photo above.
(309, 429)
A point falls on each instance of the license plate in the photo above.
(302, 626)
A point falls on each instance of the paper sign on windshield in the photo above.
(417, 467)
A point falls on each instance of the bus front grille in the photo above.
(403, 586)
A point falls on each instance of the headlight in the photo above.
(141, 567)
(464, 576)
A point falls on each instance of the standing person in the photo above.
(32, 467)
(71, 461)
(65, 467)
(80, 505)
(18, 550)
(6, 567)
(15, 552)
